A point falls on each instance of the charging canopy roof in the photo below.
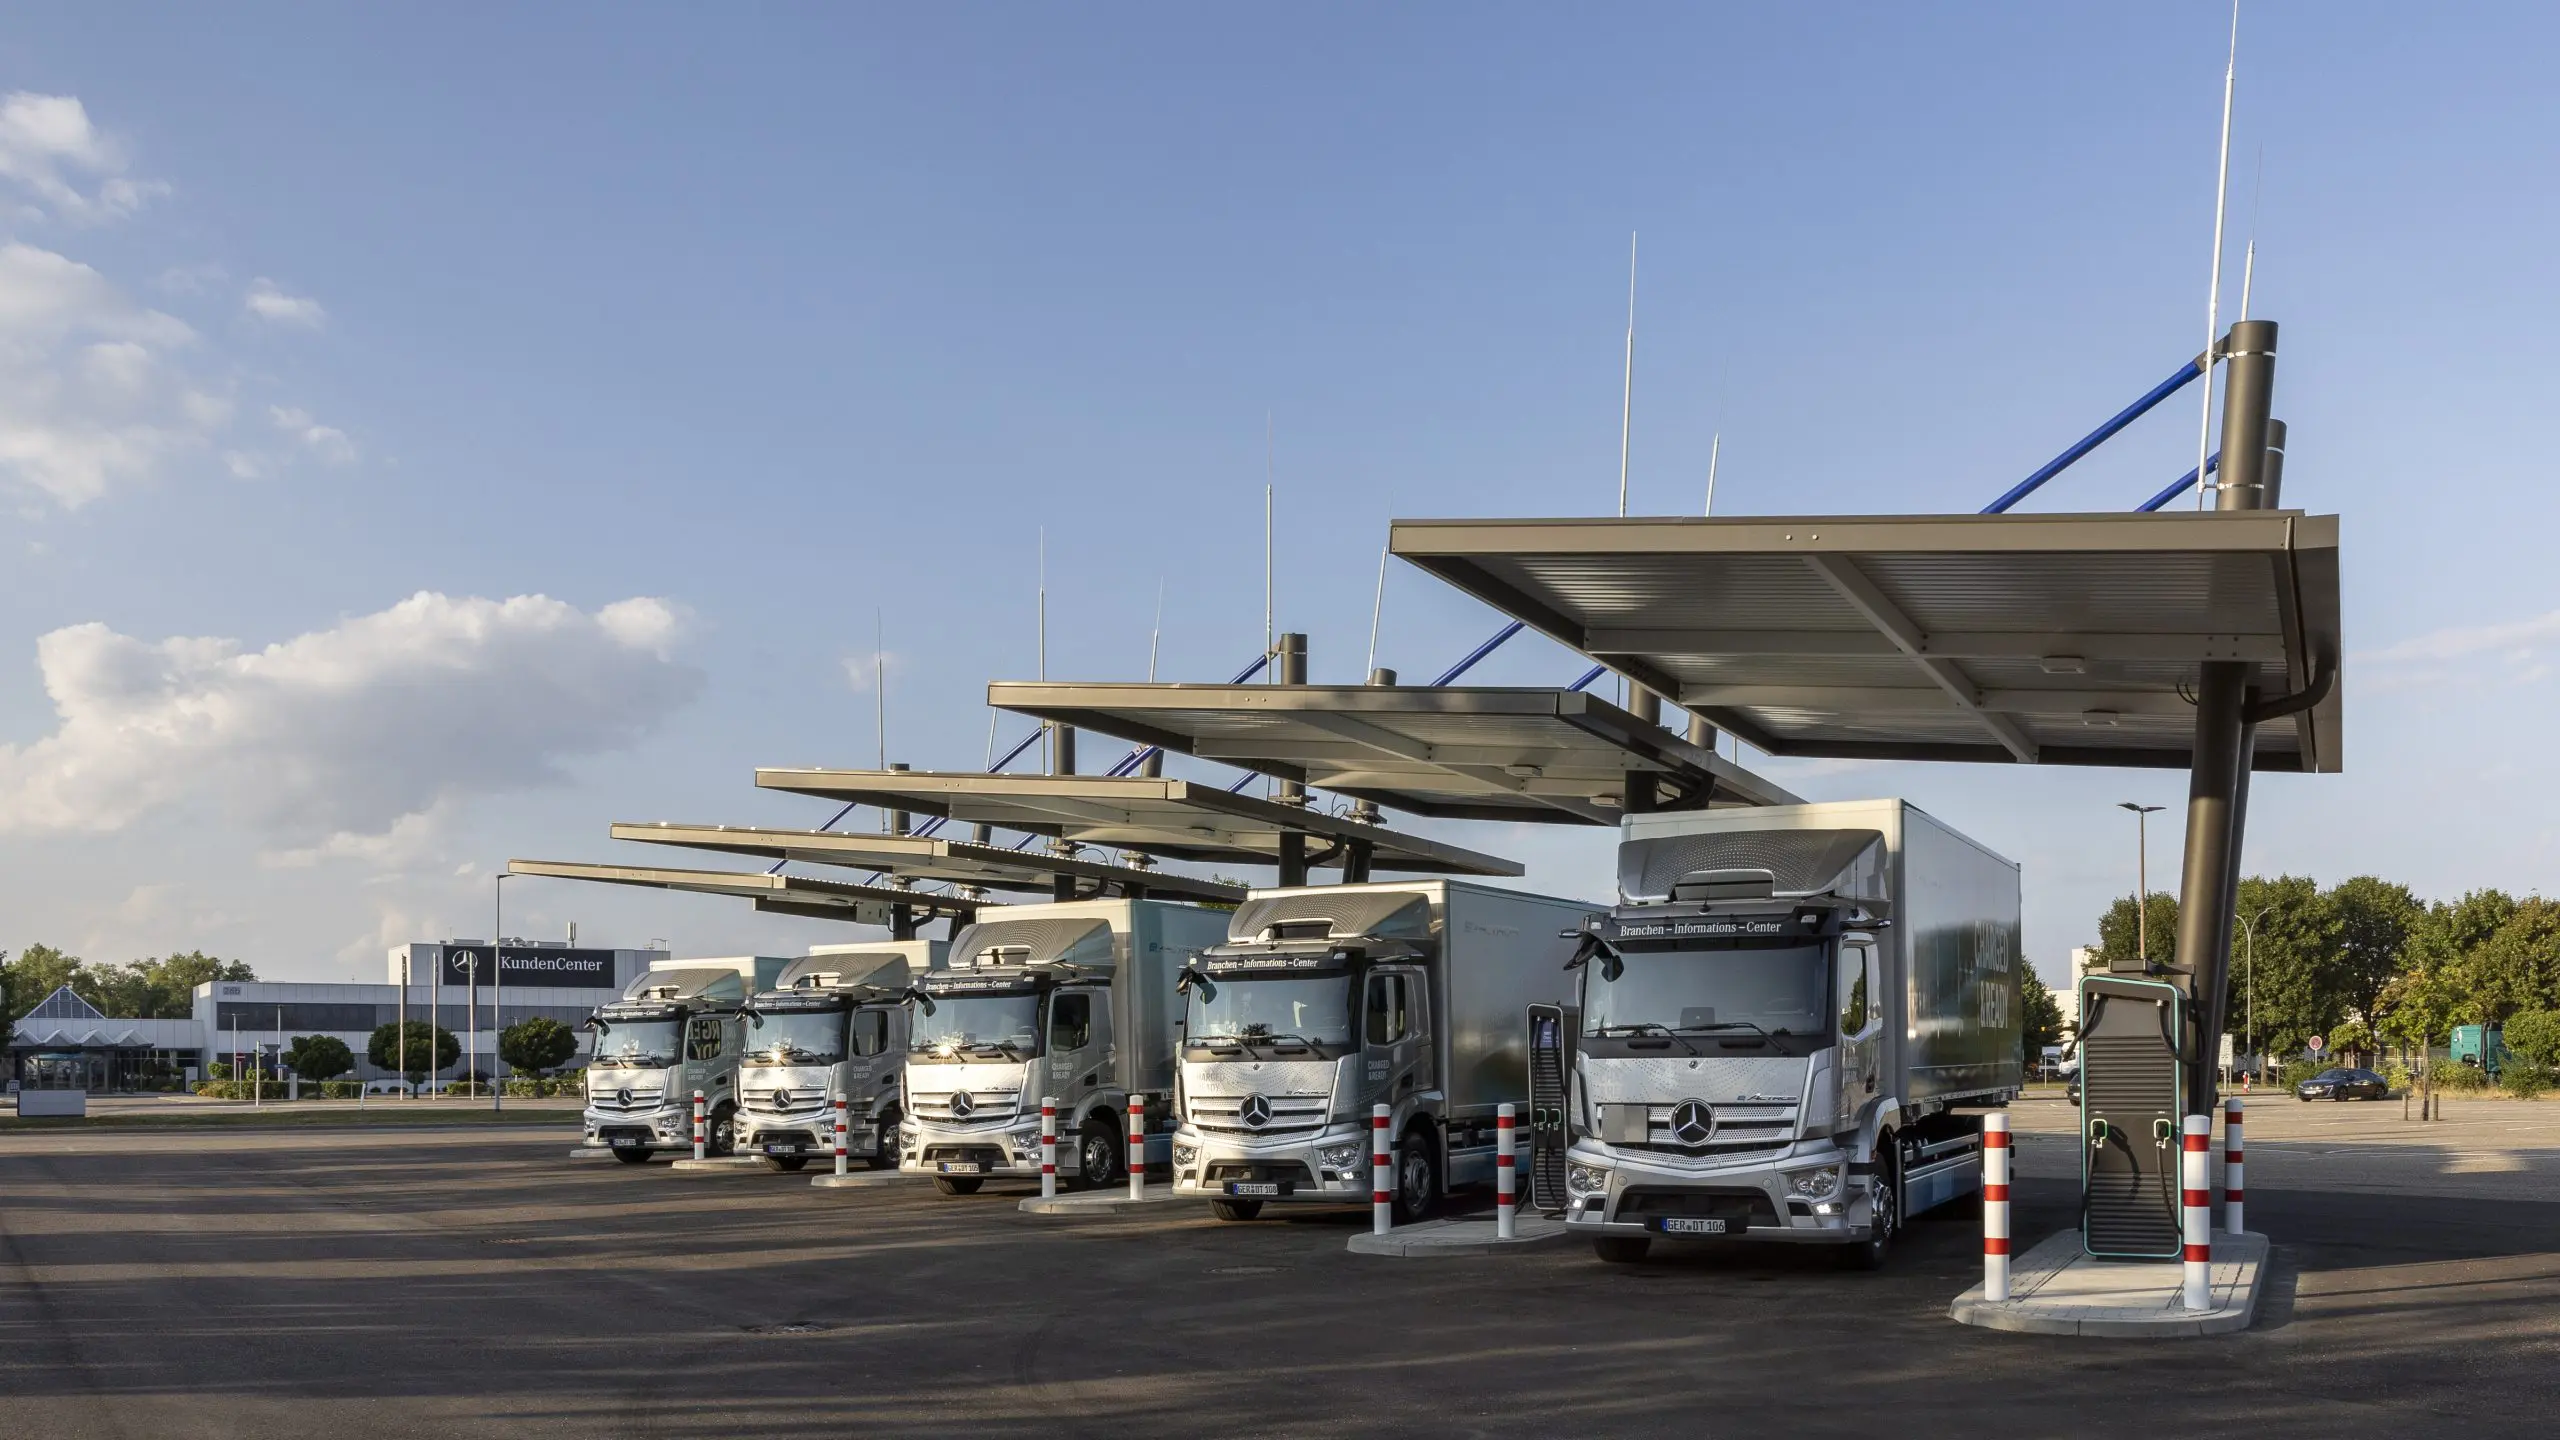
(780, 894)
(1479, 753)
(924, 857)
(2031, 639)
(1173, 818)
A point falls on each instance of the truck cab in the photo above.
(835, 1024)
(1073, 1001)
(1776, 1030)
(678, 1028)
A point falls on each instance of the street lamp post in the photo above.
(498, 979)
(2142, 876)
(2249, 950)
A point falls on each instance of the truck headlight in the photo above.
(1340, 1157)
(1817, 1184)
(1586, 1180)
(1185, 1154)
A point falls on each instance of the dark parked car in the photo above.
(2343, 1085)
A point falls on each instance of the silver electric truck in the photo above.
(835, 1023)
(676, 1029)
(1325, 1001)
(1073, 1000)
(1777, 1025)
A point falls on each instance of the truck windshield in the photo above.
(1316, 1010)
(640, 1043)
(1710, 987)
(805, 1037)
(960, 1024)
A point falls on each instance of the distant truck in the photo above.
(834, 1023)
(678, 1028)
(1778, 1022)
(1322, 1002)
(2482, 1047)
(1072, 1000)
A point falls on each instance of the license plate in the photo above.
(962, 1167)
(782, 1149)
(1253, 1187)
(625, 1142)
(1687, 1225)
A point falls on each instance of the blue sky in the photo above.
(767, 328)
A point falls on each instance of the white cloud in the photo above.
(325, 441)
(862, 671)
(342, 734)
(47, 140)
(2511, 650)
(90, 391)
(273, 305)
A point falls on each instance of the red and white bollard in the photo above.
(2231, 1164)
(840, 1133)
(701, 1134)
(2195, 1185)
(1048, 1147)
(1506, 1174)
(1137, 1147)
(1382, 1173)
(1995, 1208)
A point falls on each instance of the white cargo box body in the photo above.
(1951, 956)
(1492, 954)
(1138, 945)
(880, 964)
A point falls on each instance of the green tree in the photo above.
(2040, 1016)
(2445, 945)
(319, 1057)
(2120, 935)
(2535, 1035)
(384, 1048)
(2376, 919)
(38, 971)
(536, 1045)
(2517, 967)
(2416, 1009)
(2288, 973)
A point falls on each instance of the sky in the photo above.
(429, 434)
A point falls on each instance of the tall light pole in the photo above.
(498, 978)
(2249, 936)
(2141, 876)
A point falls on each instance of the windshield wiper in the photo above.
(1644, 1027)
(1730, 1025)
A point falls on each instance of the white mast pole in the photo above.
(2213, 292)
(1377, 607)
(1715, 447)
(1627, 399)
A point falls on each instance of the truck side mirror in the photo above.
(922, 1001)
(1189, 980)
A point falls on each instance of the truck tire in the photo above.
(1621, 1249)
(1235, 1209)
(1099, 1155)
(958, 1184)
(723, 1139)
(884, 1148)
(785, 1163)
(632, 1157)
(1417, 1176)
(1885, 1221)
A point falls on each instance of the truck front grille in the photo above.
(988, 1109)
(1290, 1114)
(1739, 1130)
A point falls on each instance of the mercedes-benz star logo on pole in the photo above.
(1692, 1123)
(963, 1105)
(1255, 1112)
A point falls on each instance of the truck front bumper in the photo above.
(1330, 1167)
(1669, 1197)
(643, 1129)
(929, 1150)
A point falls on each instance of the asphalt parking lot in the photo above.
(457, 1282)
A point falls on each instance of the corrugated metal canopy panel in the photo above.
(1449, 751)
(1172, 818)
(2056, 639)
(783, 894)
(922, 857)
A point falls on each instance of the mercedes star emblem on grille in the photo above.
(1255, 1112)
(963, 1105)
(622, 1097)
(781, 1099)
(1692, 1123)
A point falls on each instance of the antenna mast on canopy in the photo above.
(2213, 292)
(1715, 447)
(1627, 400)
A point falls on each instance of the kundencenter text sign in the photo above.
(557, 968)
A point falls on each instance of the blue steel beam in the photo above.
(2097, 437)
(2179, 486)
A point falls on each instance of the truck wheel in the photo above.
(632, 1157)
(723, 1139)
(785, 1163)
(1098, 1153)
(1235, 1209)
(958, 1184)
(1417, 1177)
(1884, 1220)
(1621, 1249)
(884, 1148)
